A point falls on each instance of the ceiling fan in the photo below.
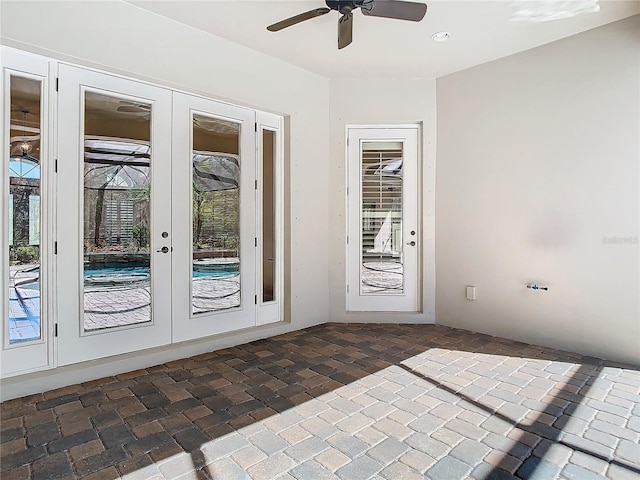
(398, 9)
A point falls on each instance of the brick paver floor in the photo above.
(339, 401)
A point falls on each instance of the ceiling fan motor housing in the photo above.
(341, 5)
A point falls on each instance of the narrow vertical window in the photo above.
(216, 214)
(23, 214)
(268, 216)
(269, 222)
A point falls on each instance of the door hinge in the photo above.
(55, 248)
(255, 299)
(55, 330)
(347, 239)
(347, 141)
(347, 288)
(55, 166)
(256, 185)
(256, 127)
(256, 241)
(57, 84)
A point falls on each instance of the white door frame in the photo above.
(186, 325)
(30, 356)
(409, 299)
(269, 312)
(74, 344)
(64, 340)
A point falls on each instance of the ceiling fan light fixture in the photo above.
(441, 36)
(25, 146)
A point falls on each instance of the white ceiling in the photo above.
(382, 48)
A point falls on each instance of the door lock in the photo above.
(412, 243)
(163, 250)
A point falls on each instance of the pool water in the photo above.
(197, 274)
(121, 275)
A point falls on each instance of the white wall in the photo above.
(120, 38)
(538, 170)
(380, 102)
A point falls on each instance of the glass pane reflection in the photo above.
(216, 214)
(117, 212)
(24, 210)
(268, 216)
(381, 271)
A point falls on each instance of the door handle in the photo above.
(163, 250)
(412, 243)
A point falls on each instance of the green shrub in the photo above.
(140, 236)
(24, 254)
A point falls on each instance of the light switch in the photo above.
(471, 293)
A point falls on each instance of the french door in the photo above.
(113, 215)
(214, 210)
(134, 216)
(383, 223)
(163, 187)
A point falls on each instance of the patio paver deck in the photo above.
(340, 401)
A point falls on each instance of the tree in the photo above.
(199, 200)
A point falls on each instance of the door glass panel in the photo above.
(24, 210)
(381, 267)
(216, 214)
(117, 212)
(268, 216)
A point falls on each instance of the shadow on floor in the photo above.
(583, 377)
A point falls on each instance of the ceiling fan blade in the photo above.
(132, 109)
(345, 30)
(398, 9)
(298, 18)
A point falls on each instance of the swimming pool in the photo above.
(110, 275)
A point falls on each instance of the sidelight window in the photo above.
(23, 210)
